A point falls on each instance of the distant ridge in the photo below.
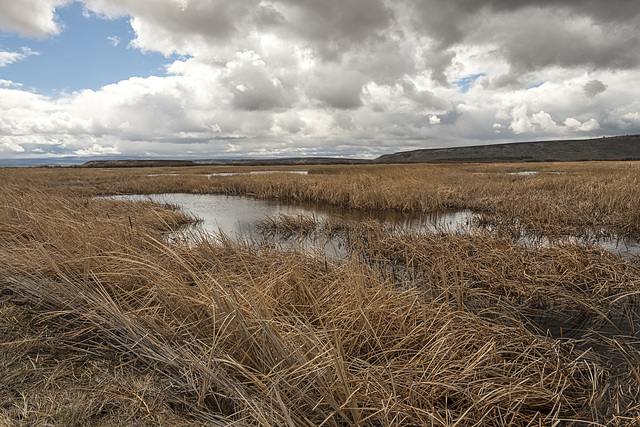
(610, 148)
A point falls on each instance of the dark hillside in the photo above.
(612, 148)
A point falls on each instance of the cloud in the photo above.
(337, 77)
(254, 87)
(544, 121)
(9, 83)
(34, 18)
(502, 81)
(332, 27)
(594, 87)
(424, 99)
(538, 122)
(521, 123)
(7, 58)
(535, 34)
(96, 150)
(576, 125)
(438, 61)
(336, 88)
(631, 118)
(10, 146)
(114, 40)
(290, 123)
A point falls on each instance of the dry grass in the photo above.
(106, 321)
(559, 199)
(48, 378)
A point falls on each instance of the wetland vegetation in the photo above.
(118, 312)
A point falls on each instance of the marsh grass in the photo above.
(560, 199)
(106, 321)
(284, 226)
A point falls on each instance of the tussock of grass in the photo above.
(285, 226)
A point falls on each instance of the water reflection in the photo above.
(209, 175)
(236, 216)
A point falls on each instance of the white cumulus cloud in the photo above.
(335, 77)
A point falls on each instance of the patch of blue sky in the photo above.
(90, 52)
(465, 83)
(535, 85)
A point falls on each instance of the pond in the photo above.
(236, 217)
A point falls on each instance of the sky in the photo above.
(288, 78)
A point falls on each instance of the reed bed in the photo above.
(412, 329)
(592, 199)
(110, 312)
(476, 269)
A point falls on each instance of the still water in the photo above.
(236, 216)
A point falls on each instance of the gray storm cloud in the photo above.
(336, 88)
(424, 99)
(535, 34)
(335, 26)
(594, 87)
(255, 88)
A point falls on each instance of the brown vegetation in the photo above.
(107, 320)
(558, 199)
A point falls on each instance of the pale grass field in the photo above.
(105, 321)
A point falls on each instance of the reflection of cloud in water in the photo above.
(235, 217)
(209, 175)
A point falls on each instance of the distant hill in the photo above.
(611, 148)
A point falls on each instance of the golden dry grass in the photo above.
(101, 311)
(590, 198)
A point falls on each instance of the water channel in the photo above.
(237, 216)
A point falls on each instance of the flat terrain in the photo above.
(117, 312)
